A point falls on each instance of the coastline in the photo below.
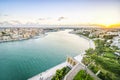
(23, 39)
(34, 37)
(46, 75)
(91, 45)
(91, 42)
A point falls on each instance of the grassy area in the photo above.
(103, 59)
(109, 55)
(108, 64)
(94, 68)
(82, 75)
(61, 73)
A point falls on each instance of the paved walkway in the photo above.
(47, 75)
(50, 72)
(73, 72)
(76, 69)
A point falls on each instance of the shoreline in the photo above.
(23, 39)
(50, 72)
(91, 42)
(91, 45)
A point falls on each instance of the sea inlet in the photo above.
(21, 60)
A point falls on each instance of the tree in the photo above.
(89, 51)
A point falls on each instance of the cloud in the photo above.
(10, 23)
(41, 19)
(5, 24)
(5, 15)
(15, 21)
(61, 18)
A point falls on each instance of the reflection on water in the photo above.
(22, 59)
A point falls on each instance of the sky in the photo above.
(68, 12)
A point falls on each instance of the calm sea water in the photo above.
(21, 60)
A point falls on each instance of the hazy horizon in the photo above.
(59, 12)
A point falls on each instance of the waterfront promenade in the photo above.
(76, 69)
(47, 75)
(80, 65)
